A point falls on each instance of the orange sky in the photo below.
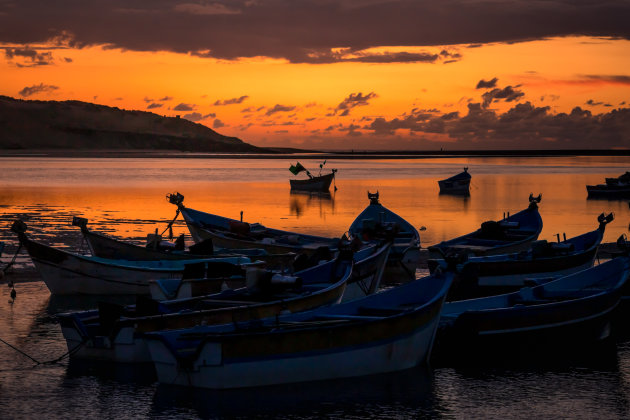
(274, 102)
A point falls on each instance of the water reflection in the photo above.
(301, 201)
(407, 394)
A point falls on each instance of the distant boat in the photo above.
(313, 183)
(565, 313)
(457, 184)
(512, 234)
(384, 332)
(613, 188)
(544, 261)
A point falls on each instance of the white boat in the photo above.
(404, 256)
(385, 332)
(66, 273)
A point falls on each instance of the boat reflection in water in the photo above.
(302, 200)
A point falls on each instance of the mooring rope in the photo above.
(170, 225)
(46, 362)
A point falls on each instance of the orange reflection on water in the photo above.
(126, 197)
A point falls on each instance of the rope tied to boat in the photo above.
(169, 227)
(46, 362)
(3, 272)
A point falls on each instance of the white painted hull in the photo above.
(210, 371)
(125, 348)
(80, 278)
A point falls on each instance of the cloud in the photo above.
(509, 94)
(28, 57)
(279, 108)
(194, 117)
(523, 124)
(352, 101)
(612, 79)
(231, 101)
(147, 99)
(210, 115)
(35, 89)
(305, 31)
(166, 98)
(154, 105)
(218, 123)
(483, 84)
(184, 107)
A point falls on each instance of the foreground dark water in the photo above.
(125, 197)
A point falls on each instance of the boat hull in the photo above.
(385, 332)
(318, 183)
(65, 273)
(210, 370)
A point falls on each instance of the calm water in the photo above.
(125, 197)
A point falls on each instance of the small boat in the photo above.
(385, 332)
(405, 254)
(565, 313)
(544, 261)
(457, 184)
(514, 233)
(68, 273)
(613, 188)
(234, 234)
(369, 266)
(157, 249)
(113, 332)
(312, 183)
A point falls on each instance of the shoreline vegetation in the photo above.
(280, 153)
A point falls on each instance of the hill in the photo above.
(79, 125)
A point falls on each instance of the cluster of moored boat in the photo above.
(248, 305)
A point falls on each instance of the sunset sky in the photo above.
(338, 74)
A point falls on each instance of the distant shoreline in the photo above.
(275, 154)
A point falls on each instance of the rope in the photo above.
(4, 270)
(170, 225)
(47, 362)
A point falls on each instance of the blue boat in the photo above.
(544, 261)
(566, 313)
(385, 332)
(405, 253)
(514, 233)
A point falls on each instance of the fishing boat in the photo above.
(405, 254)
(544, 261)
(618, 187)
(457, 184)
(514, 233)
(66, 273)
(236, 234)
(388, 331)
(157, 249)
(568, 312)
(313, 182)
(113, 332)
(369, 266)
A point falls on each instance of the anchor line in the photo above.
(47, 362)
